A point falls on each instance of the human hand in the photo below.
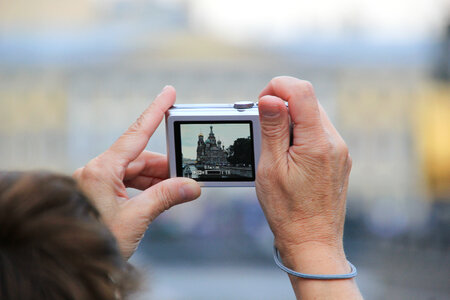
(126, 164)
(302, 187)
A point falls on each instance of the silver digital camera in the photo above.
(214, 144)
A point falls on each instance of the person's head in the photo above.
(53, 244)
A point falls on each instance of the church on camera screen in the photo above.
(224, 153)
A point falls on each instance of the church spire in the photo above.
(212, 138)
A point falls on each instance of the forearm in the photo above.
(315, 258)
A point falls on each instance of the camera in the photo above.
(217, 145)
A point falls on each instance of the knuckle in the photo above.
(137, 124)
(154, 109)
(89, 174)
(142, 121)
(276, 80)
(164, 198)
(349, 162)
(342, 150)
(281, 81)
(76, 175)
(92, 171)
(283, 78)
(304, 88)
(271, 131)
(301, 88)
(322, 151)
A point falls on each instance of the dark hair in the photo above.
(53, 244)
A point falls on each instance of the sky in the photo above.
(281, 24)
(281, 20)
(227, 133)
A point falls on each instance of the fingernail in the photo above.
(189, 191)
(270, 111)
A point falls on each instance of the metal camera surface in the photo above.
(217, 145)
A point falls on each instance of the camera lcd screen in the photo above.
(215, 150)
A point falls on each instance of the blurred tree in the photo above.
(240, 152)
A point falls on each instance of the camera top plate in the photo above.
(236, 109)
(238, 112)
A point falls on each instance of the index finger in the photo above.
(303, 105)
(131, 144)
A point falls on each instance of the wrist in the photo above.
(314, 258)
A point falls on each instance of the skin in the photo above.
(126, 164)
(301, 187)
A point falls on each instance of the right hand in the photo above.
(302, 187)
(126, 164)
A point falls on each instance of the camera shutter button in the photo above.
(243, 104)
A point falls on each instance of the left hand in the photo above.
(126, 164)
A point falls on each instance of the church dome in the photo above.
(208, 141)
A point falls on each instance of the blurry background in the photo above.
(75, 74)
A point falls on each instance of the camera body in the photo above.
(217, 145)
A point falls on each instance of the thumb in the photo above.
(162, 196)
(274, 120)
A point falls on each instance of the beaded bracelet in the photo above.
(276, 257)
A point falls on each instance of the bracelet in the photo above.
(276, 257)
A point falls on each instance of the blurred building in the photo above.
(75, 74)
(25, 15)
(433, 124)
(432, 131)
(375, 116)
(33, 124)
(66, 93)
